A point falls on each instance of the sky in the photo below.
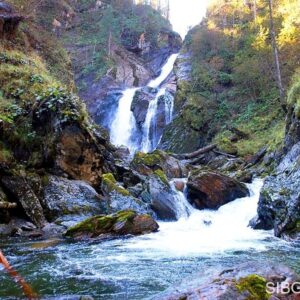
(186, 14)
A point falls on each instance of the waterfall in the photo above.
(124, 122)
(169, 108)
(123, 128)
(165, 72)
(148, 143)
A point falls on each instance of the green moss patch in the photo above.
(255, 285)
(149, 159)
(162, 176)
(109, 184)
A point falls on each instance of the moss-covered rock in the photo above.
(158, 160)
(109, 185)
(255, 286)
(225, 145)
(162, 176)
(121, 223)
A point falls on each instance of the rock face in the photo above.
(82, 155)
(212, 190)
(9, 21)
(244, 282)
(279, 203)
(121, 223)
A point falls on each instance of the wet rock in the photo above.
(121, 223)
(179, 185)
(162, 197)
(62, 197)
(279, 202)
(247, 281)
(21, 190)
(140, 104)
(118, 198)
(212, 190)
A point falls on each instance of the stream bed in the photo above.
(196, 246)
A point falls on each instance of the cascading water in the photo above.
(123, 127)
(165, 72)
(207, 231)
(124, 123)
(149, 143)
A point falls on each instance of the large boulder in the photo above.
(211, 190)
(107, 226)
(21, 189)
(69, 199)
(163, 198)
(244, 282)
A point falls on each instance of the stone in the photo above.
(163, 200)
(122, 223)
(20, 188)
(211, 190)
(179, 185)
(118, 198)
(147, 163)
(62, 197)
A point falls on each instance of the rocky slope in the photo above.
(279, 205)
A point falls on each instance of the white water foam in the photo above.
(207, 231)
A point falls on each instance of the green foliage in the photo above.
(294, 96)
(232, 77)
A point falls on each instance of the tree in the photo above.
(276, 57)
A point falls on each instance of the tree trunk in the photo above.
(276, 58)
(255, 10)
(109, 44)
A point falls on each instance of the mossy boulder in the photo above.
(126, 222)
(149, 163)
